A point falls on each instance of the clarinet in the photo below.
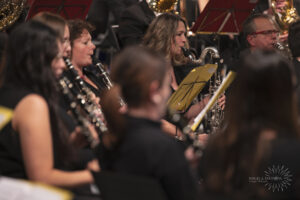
(107, 81)
(76, 112)
(94, 112)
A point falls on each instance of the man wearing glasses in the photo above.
(260, 32)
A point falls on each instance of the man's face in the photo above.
(265, 35)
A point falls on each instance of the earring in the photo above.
(156, 99)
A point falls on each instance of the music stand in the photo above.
(190, 87)
(115, 186)
(69, 9)
(223, 16)
(6, 115)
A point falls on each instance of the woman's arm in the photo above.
(31, 119)
(195, 109)
(170, 129)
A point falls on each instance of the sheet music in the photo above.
(15, 189)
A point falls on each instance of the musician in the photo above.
(82, 52)
(59, 24)
(260, 32)
(34, 144)
(136, 144)
(256, 137)
(134, 23)
(100, 10)
(83, 153)
(167, 35)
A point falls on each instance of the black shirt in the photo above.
(147, 151)
(11, 161)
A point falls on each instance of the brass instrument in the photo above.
(82, 121)
(225, 83)
(84, 98)
(284, 19)
(162, 6)
(10, 11)
(286, 16)
(212, 51)
(215, 115)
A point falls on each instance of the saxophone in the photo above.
(215, 115)
(212, 51)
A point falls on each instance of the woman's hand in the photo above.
(195, 109)
(79, 139)
(93, 166)
(222, 101)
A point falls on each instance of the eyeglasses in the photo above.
(267, 32)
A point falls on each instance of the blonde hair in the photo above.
(160, 36)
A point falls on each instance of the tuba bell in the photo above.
(286, 16)
(10, 10)
(162, 6)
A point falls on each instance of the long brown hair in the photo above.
(262, 100)
(31, 48)
(161, 34)
(132, 73)
(56, 22)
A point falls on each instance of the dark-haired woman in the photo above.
(258, 147)
(137, 144)
(82, 52)
(33, 142)
(60, 25)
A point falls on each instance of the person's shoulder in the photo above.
(139, 12)
(31, 103)
(131, 10)
(153, 138)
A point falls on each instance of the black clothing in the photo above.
(285, 158)
(134, 23)
(11, 161)
(296, 64)
(261, 6)
(277, 175)
(181, 71)
(297, 5)
(100, 9)
(77, 86)
(146, 151)
(96, 76)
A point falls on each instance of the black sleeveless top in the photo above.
(11, 161)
